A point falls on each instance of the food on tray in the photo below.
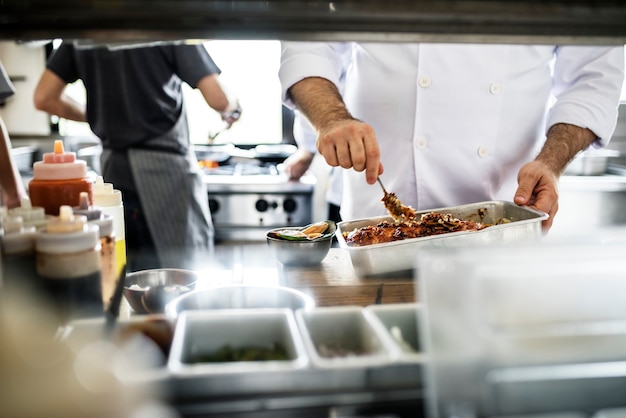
(317, 231)
(336, 350)
(429, 224)
(227, 353)
(399, 212)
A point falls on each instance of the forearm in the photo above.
(320, 101)
(10, 180)
(215, 94)
(49, 97)
(67, 108)
(562, 144)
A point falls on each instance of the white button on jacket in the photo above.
(491, 97)
(424, 81)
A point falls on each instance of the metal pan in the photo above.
(398, 256)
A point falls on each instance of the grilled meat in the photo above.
(429, 224)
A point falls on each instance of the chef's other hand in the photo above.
(538, 188)
(231, 114)
(350, 143)
(298, 163)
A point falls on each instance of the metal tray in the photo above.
(398, 256)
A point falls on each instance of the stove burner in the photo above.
(242, 169)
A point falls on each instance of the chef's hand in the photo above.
(231, 115)
(350, 143)
(298, 163)
(538, 188)
(341, 139)
(538, 180)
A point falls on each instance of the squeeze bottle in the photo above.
(58, 180)
(18, 256)
(67, 252)
(95, 216)
(31, 215)
(110, 201)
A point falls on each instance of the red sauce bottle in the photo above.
(58, 180)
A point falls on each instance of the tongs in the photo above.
(399, 212)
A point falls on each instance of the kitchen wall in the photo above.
(24, 64)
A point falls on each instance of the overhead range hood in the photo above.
(486, 21)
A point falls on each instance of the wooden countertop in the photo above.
(331, 283)
(334, 283)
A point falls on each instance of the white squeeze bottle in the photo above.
(110, 201)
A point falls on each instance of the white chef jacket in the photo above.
(455, 123)
(305, 137)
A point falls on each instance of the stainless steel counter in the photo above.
(394, 391)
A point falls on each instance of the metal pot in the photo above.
(592, 162)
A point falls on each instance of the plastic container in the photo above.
(95, 216)
(18, 254)
(58, 180)
(31, 215)
(110, 201)
(69, 265)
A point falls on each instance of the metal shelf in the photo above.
(486, 21)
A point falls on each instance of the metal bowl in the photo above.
(148, 291)
(240, 297)
(298, 253)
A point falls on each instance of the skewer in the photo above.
(381, 185)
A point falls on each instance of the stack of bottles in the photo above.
(65, 245)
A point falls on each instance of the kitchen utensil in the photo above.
(240, 297)
(156, 298)
(147, 291)
(216, 134)
(301, 253)
(113, 310)
(381, 185)
(399, 212)
(210, 343)
(400, 256)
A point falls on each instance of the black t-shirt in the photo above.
(134, 93)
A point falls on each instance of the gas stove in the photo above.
(249, 197)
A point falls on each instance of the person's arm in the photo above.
(303, 133)
(586, 84)
(538, 180)
(49, 97)
(13, 190)
(217, 98)
(342, 140)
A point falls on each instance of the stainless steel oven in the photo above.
(248, 194)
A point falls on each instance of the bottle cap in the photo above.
(32, 215)
(17, 238)
(83, 208)
(105, 225)
(67, 233)
(59, 165)
(104, 194)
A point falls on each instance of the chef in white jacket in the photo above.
(452, 124)
(297, 164)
